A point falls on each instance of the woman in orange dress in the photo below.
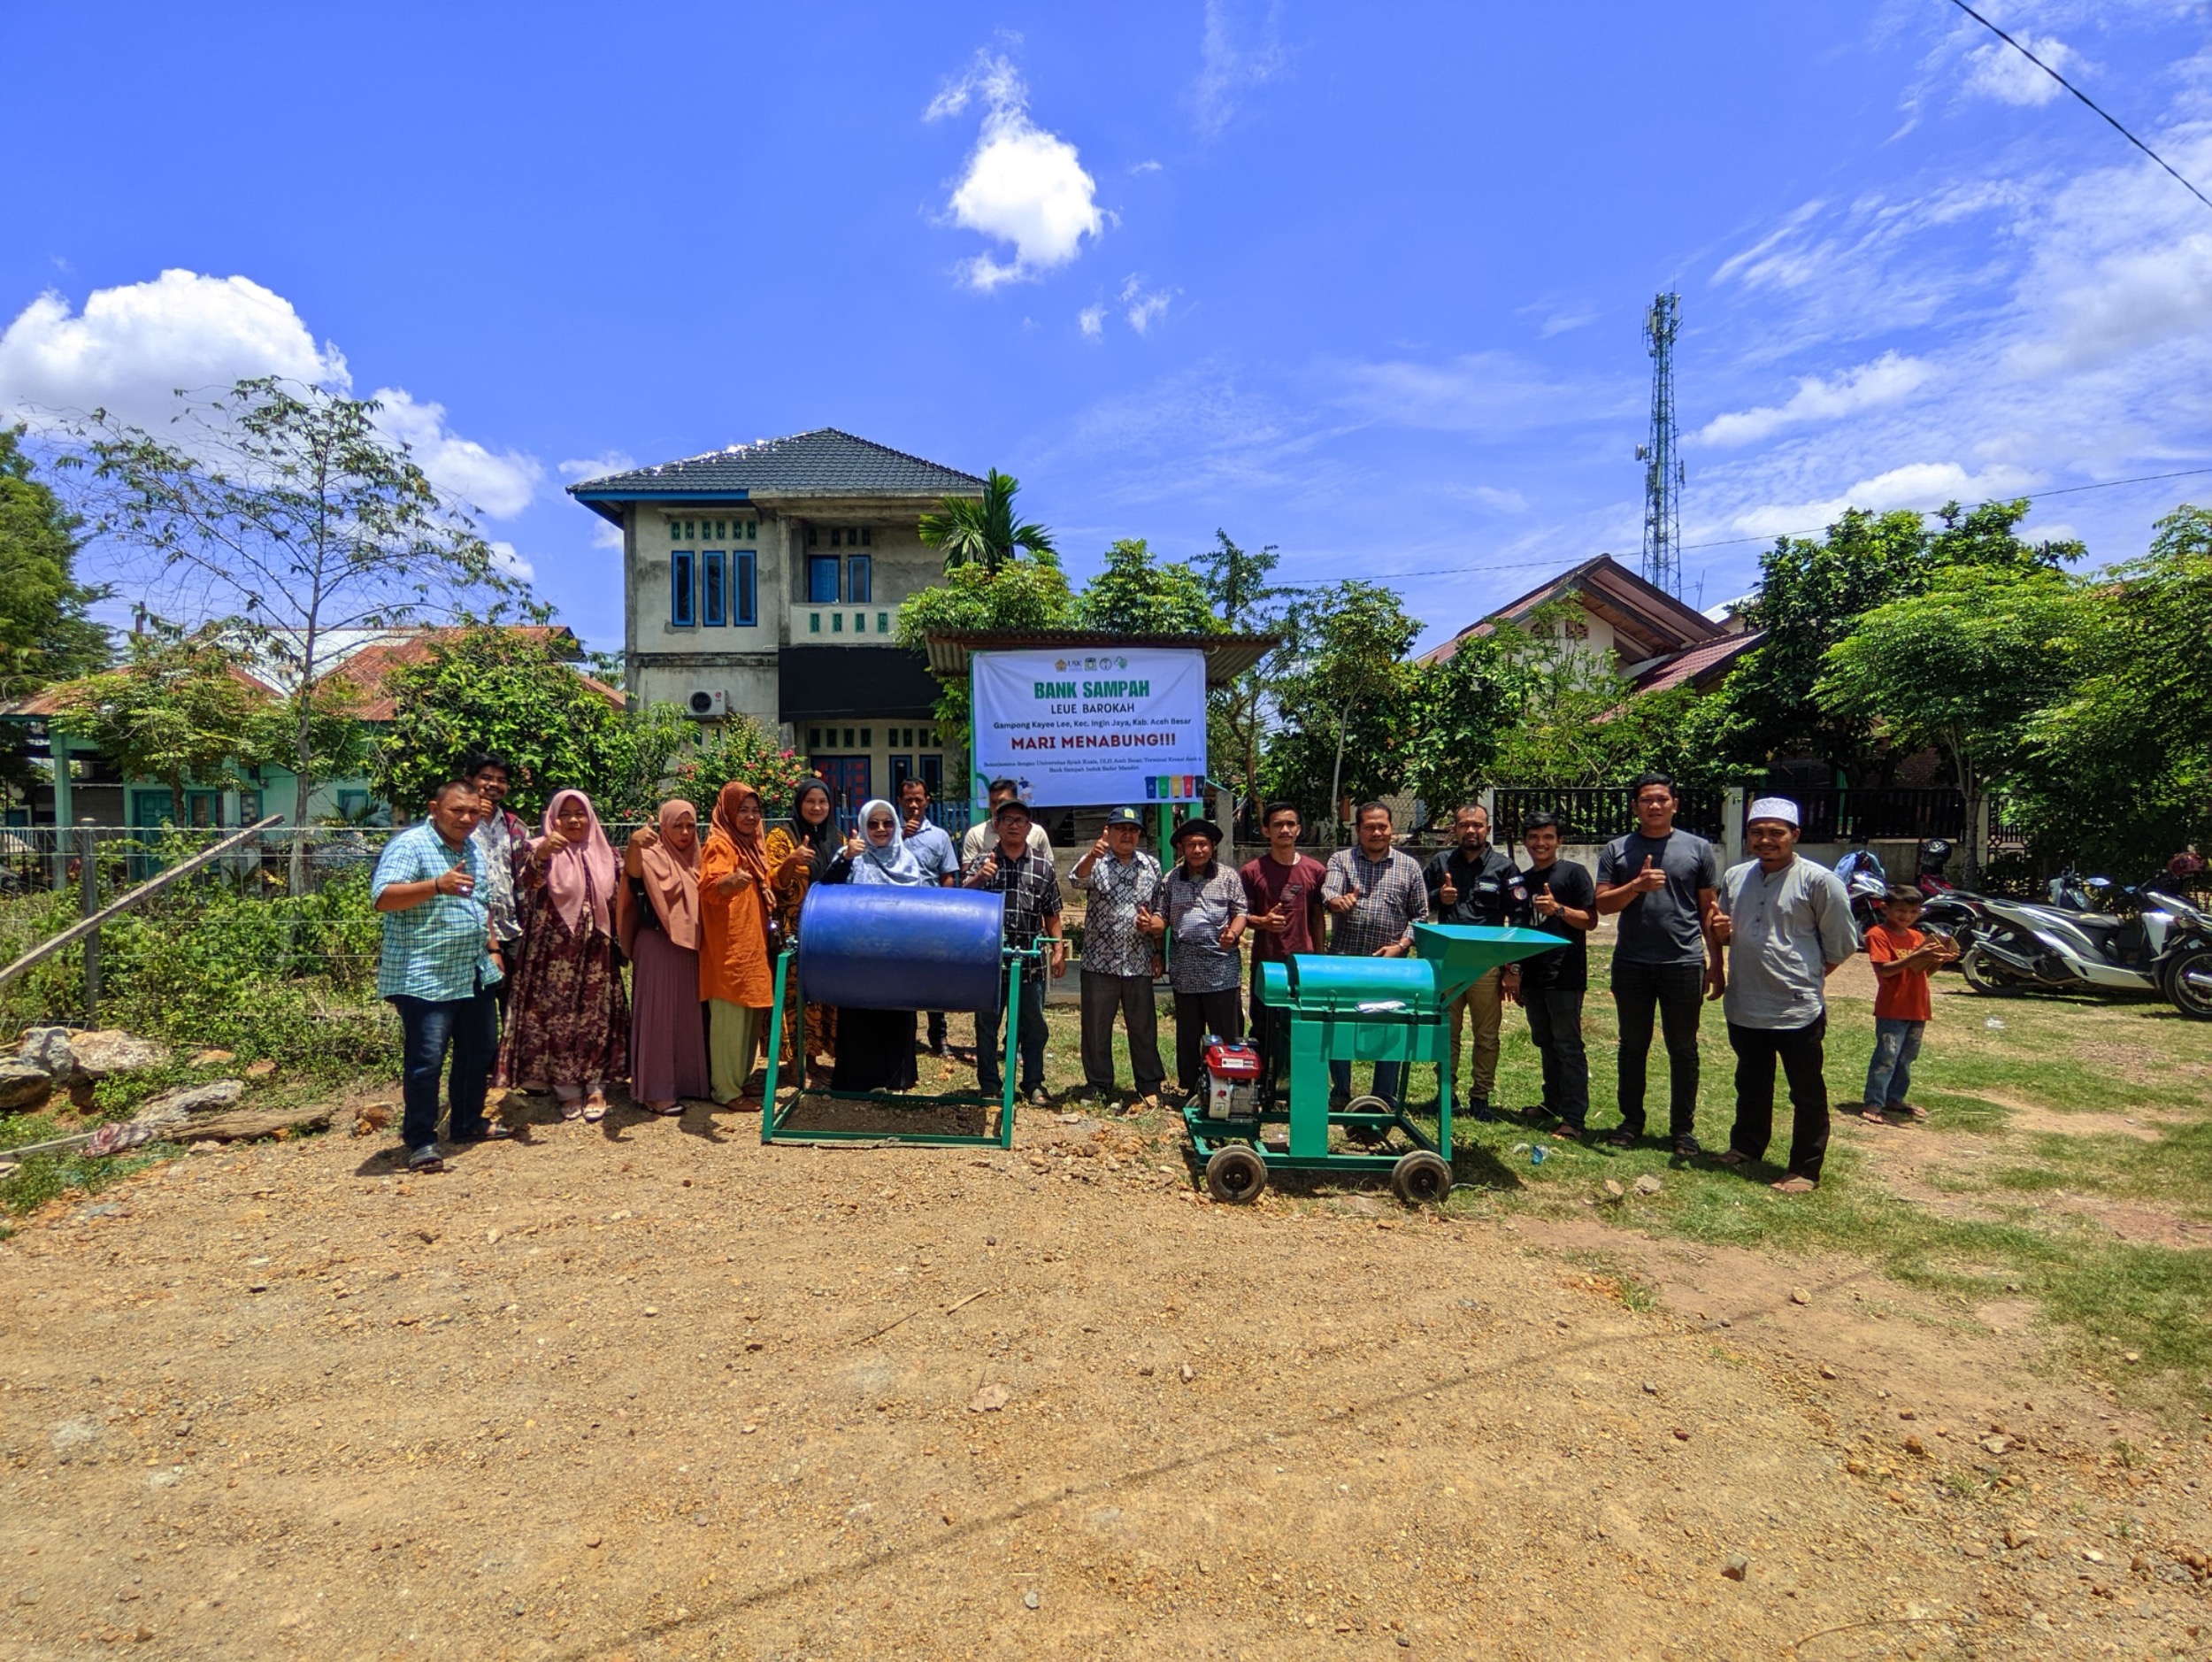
(796, 859)
(735, 978)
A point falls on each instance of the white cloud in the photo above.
(1145, 167)
(605, 535)
(1141, 306)
(1092, 321)
(1916, 485)
(1490, 393)
(499, 484)
(510, 563)
(1021, 185)
(1228, 69)
(1888, 380)
(1993, 70)
(133, 346)
(598, 466)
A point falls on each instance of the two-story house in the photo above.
(766, 581)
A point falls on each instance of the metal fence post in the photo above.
(89, 903)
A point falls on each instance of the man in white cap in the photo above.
(1785, 924)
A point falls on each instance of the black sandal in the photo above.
(1623, 1138)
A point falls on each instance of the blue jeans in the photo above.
(470, 1028)
(1385, 1079)
(1896, 1048)
(1030, 1045)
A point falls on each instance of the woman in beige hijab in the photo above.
(658, 913)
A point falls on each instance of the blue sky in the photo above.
(1364, 282)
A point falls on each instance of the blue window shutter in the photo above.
(680, 614)
(714, 611)
(748, 590)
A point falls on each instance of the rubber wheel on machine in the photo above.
(1422, 1178)
(1236, 1174)
(2189, 983)
(1368, 1136)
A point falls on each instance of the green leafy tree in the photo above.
(1240, 588)
(286, 507)
(512, 692)
(2117, 773)
(180, 711)
(44, 634)
(1136, 594)
(982, 531)
(1812, 594)
(739, 749)
(1347, 706)
(1963, 666)
(1016, 596)
(1459, 713)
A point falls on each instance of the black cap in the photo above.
(999, 813)
(1125, 816)
(1211, 831)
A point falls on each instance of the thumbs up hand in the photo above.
(1449, 893)
(1650, 880)
(1343, 902)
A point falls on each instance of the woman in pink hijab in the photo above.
(656, 917)
(568, 1022)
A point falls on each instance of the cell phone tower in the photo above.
(1663, 466)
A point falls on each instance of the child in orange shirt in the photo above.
(1902, 957)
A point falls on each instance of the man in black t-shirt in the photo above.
(1473, 882)
(1562, 901)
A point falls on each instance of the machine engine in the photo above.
(1232, 1074)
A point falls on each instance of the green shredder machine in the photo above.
(1356, 1010)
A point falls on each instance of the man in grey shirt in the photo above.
(1374, 894)
(1787, 926)
(1659, 879)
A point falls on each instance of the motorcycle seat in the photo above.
(2095, 922)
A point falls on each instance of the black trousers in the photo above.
(1132, 997)
(1802, 1054)
(1196, 1015)
(1029, 1044)
(1675, 992)
(1555, 1027)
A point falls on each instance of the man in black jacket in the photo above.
(1472, 882)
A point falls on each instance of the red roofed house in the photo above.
(87, 789)
(1651, 638)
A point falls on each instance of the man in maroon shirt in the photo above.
(1283, 890)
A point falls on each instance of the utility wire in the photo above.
(1735, 541)
(2084, 96)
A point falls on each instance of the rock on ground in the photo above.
(22, 1085)
(108, 1051)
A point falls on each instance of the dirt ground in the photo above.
(650, 1389)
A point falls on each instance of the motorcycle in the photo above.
(2160, 945)
(1946, 908)
(1868, 894)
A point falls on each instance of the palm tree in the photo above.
(982, 529)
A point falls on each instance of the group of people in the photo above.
(504, 953)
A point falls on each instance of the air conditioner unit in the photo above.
(707, 705)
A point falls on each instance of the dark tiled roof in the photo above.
(823, 463)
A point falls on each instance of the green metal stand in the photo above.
(1353, 1010)
(775, 1117)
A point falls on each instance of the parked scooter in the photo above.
(1948, 909)
(1867, 894)
(2013, 946)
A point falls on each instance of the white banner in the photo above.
(1090, 728)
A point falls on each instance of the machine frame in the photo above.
(775, 1124)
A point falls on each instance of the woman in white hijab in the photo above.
(875, 1048)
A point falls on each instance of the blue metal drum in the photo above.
(876, 947)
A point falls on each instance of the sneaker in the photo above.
(426, 1159)
(1478, 1108)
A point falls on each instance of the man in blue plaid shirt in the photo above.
(440, 969)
